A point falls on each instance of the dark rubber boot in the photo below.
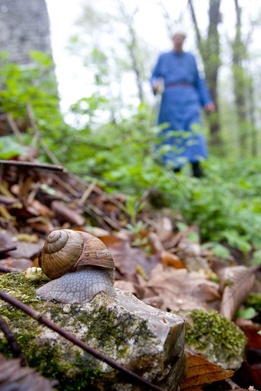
(177, 169)
(197, 170)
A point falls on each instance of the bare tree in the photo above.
(209, 48)
(132, 46)
(243, 88)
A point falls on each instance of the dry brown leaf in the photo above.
(127, 258)
(179, 289)
(251, 331)
(200, 371)
(169, 259)
(236, 283)
(26, 250)
(164, 228)
(19, 264)
(27, 238)
(155, 242)
(96, 231)
(187, 247)
(15, 377)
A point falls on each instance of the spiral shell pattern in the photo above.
(61, 251)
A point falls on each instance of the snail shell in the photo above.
(66, 251)
(79, 265)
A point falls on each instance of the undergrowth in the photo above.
(225, 204)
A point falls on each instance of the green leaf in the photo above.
(10, 148)
(246, 313)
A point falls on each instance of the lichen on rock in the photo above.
(219, 340)
(148, 341)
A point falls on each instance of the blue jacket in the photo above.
(185, 93)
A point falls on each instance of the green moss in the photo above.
(71, 377)
(48, 359)
(218, 339)
(114, 333)
(103, 323)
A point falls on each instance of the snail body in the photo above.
(79, 266)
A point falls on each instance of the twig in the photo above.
(14, 345)
(133, 377)
(38, 134)
(5, 269)
(4, 250)
(87, 192)
(38, 166)
(66, 186)
(101, 214)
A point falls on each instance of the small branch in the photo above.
(14, 345)
(39, 166)
(87, 193)
(5, 269)
(4, 250)
(38, 135)
(195, 22)
(133, 377)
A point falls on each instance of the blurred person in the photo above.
(184, 93)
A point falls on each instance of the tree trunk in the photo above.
(210, 52)
(24, 28)
(252, 119)
(239, 53)
(132, 48)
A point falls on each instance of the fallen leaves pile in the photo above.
(160, 265)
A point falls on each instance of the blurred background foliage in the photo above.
(112, 142)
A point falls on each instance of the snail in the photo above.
(79, 266)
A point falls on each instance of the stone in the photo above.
(148, 341)
(214, 337)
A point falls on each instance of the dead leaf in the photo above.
(179, 289)
(251, 331)
(15, 377)
(164, 228)
(169, 259)
(26, 250)
(19, 264)
(200, 371)
(236, 283)
(155, 242)
(27, 238)
(126, 258)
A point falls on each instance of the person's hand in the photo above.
(157, 87)
(210, 107)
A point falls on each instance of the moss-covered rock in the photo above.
(219, 340)
(148, 341)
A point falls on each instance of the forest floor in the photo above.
(164, 266)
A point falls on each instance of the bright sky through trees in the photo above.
(74, 81)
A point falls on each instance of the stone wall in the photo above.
(24, 27)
